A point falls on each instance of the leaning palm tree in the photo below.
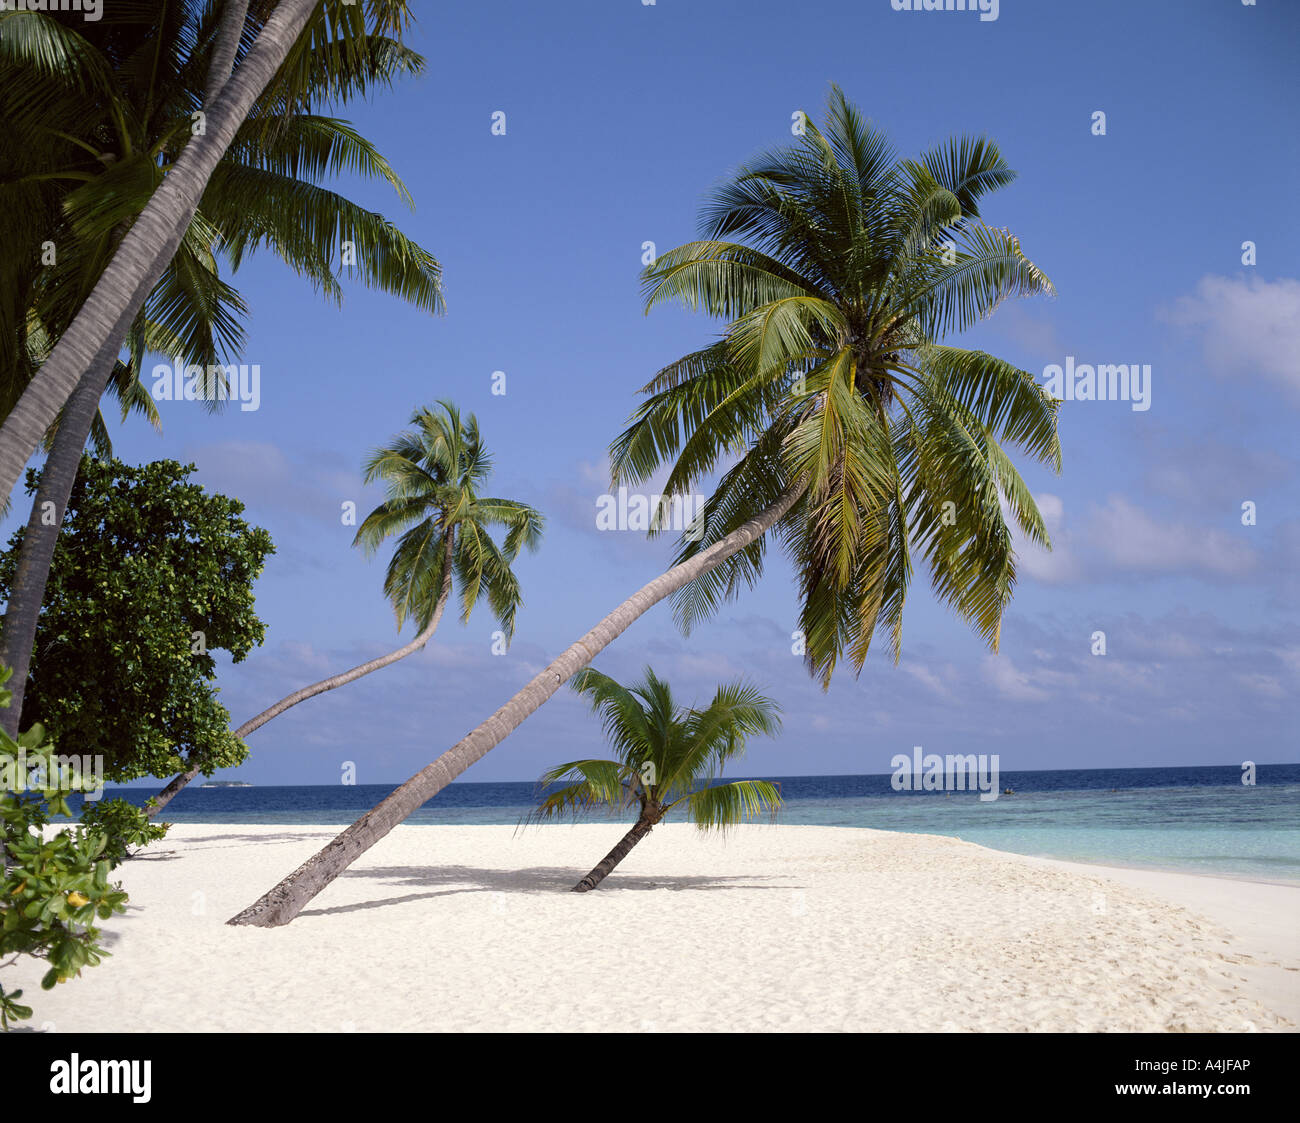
(279, 47)
(668, 757)
(831, 406)
(433, 474)
(91, 170)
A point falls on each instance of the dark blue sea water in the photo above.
(1199, 820)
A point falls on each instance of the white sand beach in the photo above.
(771, 928)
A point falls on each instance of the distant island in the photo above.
(227, 784)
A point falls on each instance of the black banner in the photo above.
(230, 1071)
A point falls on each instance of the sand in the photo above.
(772, 928)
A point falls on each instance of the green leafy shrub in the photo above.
(159, 573)
(52, 889)
(123, 826)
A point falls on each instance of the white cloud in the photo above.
(1248, 326)
(1122, 537)
(926, 677)
(1130, 538)
(1001, 673)
(1165, 645)
(1210, 476)
(1029, 331)
(1266, 685)
(594, 475)
(707, 667)
(1290, 657)
(265, 479)
(1057, 566)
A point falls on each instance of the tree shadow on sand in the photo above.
(231, 841)
(536, 879)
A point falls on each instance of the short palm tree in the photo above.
(102, 112)
(668, 757)
(433, 474)
(833, 408)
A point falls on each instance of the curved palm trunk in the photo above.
(22, 614)
(178, 782)
(102, 323)
(283, 902)
(643, 826)
(229, 32)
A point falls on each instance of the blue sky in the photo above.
(619, 117)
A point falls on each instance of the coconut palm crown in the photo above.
(832, 379)
(433, 473)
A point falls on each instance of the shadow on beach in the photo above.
(537, 879)
(226, 842)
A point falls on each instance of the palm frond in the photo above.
(721, 806)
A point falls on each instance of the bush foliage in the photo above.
(53, 888)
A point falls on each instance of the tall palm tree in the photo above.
(285, 44)
(98, 169)
(668, 756)
(855, 432)
(433, 475)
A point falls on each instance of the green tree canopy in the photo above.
(150, 576)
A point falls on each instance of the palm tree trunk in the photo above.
(643, 826)
(102, 323)
(229, 32)
(22, 614)
(164, 797)
(283, 902)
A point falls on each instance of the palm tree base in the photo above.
(607, 864)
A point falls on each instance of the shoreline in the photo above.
(784, 927)
(1100, 863)
(1172, 871)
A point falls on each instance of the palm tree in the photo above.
(288, 45)
(854, 431)
(96, 170)
(433, 474)
(667, 756)
(124, 381)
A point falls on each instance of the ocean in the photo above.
(1194, 820)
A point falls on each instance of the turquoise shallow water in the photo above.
(1225, 831)
(1197, 820)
